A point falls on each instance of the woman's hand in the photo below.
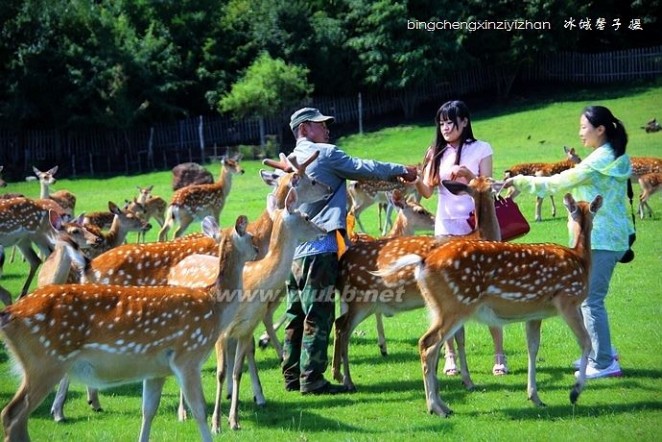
(462, 172)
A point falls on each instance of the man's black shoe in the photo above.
(328, 388)
(293, 386)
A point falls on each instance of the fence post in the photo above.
(201, 137)
(360, 114)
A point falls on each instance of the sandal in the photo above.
(450, 368)
(500, 367)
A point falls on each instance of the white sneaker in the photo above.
(614, 354)
(594, 373)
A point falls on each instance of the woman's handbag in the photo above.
(512, 222)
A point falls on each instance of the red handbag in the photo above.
(512, 222)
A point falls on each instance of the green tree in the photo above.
(393, 58)
(267, 88)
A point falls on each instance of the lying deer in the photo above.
(196, 201)
(650, 183)
(543, 169)
(362, 293)
(112, 335)
(499, 283)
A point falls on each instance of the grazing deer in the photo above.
(199, 200)
(22, 222)
(649, 183)
(499, 283)
(112, 335)
(63, 198)
(362, 293)
(652, 126)
(543, 169)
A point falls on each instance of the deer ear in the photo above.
(113, 207)
(596, 204)
(53, 170)
(240, 225)
(272, 205)
(569, 203)
(80, 219)
(36, 171)
(291, 200)
(270, 178)
(55, 220)
(210, 227)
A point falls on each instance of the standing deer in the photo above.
(543, 169)
(199, 200)
(23, 222)
(63, 198)
(499, 283)
(123, 223)
(148, 206)
(264, 286)
(362, 293)
(150, 264)
(71, 238)
(650, 183)
(112, 335)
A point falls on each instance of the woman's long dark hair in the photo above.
(614, 129)
(450, 111)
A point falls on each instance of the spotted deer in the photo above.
(63, 198)
(71, 238)
(643, 165)
(264, 284)
(196, 201)
(362, 293)
(499, 283)
(543, 169)
(363, 194)
(123, 223)
(412, 216)
(110, 335)
(150, 264)
(148, 206)
(650, 183)
(23, 222)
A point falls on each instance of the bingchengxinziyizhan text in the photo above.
(478, 25)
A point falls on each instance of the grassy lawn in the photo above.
(390, 400)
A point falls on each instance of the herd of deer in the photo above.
(106, 312)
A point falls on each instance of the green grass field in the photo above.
(390, 400)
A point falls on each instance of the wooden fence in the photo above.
(163, 146)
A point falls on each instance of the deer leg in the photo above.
(345, 325)
(5, 296)
(169, 219)
(152, 389)
(185, 220)
(57, 409)
(93, 399)
(381, 337)
(233, 415)
(271, 330)
(258, 395)
(462, 356)
(190, 381)
(28, 397)
(551, 199)
(429, 346)
(538, 208)
(220, 378)
(265, 338)
(533, 343)
(388, 222)
(574, 319)
(33, 260)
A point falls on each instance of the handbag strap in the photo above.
(630, 197)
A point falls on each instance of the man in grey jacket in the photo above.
(310, 299)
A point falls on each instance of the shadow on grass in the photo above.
(565, 411)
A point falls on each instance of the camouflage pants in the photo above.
(310, 315)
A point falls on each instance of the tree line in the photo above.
(125, 63)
